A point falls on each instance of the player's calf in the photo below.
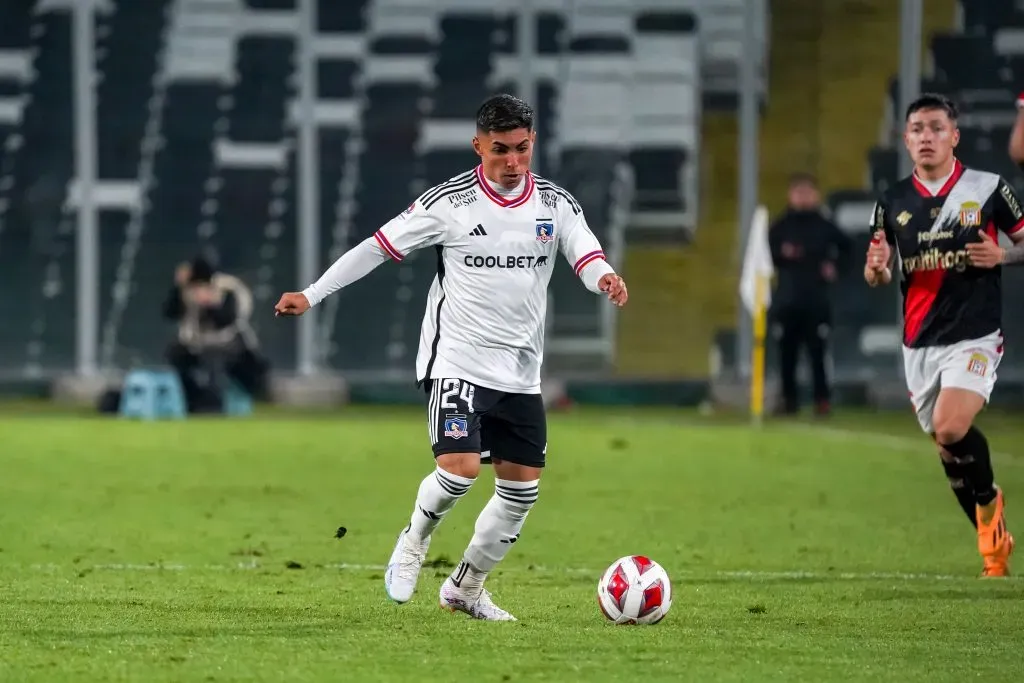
(500, 522)
(497, 530)
(970, 455)
(959, 482)
(965, 444)
(968, 449)
(437, 495)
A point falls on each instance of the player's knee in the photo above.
(514, 471)
(460, 464)
(950, 429)
(951, 425)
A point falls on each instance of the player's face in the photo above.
(931, 137)
(505, 156)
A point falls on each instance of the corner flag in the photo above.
(757, 264)
(755, 291)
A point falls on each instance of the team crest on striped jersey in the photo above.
(970, 214)
(545, 230)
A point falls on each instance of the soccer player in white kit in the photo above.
(497, 230)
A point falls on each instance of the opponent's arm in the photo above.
(583, 252)
(413, 229)
(988, 254)
(1009, 218)
(1015, 254)
(878, 269)
(881, 255)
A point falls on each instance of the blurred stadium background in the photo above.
(282, 132)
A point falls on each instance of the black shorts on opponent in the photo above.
(464, 418)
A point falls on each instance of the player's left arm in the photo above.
(583, 251)
(1008, 218)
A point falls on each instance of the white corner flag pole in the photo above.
(755, 291)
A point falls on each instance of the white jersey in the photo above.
(485, 312)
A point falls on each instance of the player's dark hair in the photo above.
(932, 100)
(502, 113)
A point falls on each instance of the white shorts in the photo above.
(969, 364)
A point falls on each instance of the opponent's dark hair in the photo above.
(502, 113)
(932, 100)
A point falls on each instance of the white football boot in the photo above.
(404, 567)
(479, 607)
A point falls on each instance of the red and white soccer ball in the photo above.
(635, 590)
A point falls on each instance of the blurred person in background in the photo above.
(807, 251)
(1017, 134)
(215, 343)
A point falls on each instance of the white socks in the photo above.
(497, 527)
(439, 492)
(499, 524)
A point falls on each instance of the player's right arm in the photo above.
(881, 254)
(413, 229)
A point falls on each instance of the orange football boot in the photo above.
(994, 541)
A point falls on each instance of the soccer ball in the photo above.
(634, 590)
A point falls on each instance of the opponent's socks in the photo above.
(438, 494)
(972, 452)
(962, 489)
(497, 528)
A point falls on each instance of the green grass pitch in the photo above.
(205, 551)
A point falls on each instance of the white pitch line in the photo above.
(692, 576)
(900, 443)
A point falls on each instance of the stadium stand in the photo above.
(197, 147)
(36, 258)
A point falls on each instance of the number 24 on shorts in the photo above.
(452, 389)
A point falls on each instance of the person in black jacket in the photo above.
(807, 251)
(214, 341)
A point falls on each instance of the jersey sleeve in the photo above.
(1006, 213)
(354, 264)
(414, 228)
(582, 250)
(880, 221)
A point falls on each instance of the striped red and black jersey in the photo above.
(946, 299)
